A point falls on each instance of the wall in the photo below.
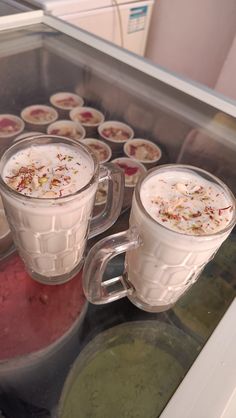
(192, 37)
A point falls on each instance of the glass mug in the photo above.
(51, 233)
(160, 263)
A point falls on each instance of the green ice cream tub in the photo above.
(130, 370)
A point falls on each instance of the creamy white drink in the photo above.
(186, 203)
(47, 171)
(182, 219)
(51, 224)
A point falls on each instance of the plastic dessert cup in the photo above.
(67, 128)
(180, 216)
(101, 195)
(65, 101)
(38, 117)
(100, 198)
(99, 148)
(39, 337)
(10, 127)
(89, 117)
(103, 154)
(132, 170)
(144, 151)
(130, 370)
(115, 134)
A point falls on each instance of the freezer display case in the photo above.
(130, 363)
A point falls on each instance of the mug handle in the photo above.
(96, 290)
(116, 183)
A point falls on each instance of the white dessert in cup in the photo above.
(103, 154)
(99, 148)
(10, 126)
(49, 205)
(89, 117)
(102, 192)
(5, 233)
(115, 133)
(143, 151)
(132, 170)
(67, 128)
(182, 215)
(66, 100)
(39, 116)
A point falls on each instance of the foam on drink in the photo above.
(186, 202)
(47, 171)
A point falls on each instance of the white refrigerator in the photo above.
(122, 22)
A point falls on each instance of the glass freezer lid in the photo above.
(37, 61)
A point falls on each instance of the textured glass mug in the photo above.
(160, 264)
(51, 233)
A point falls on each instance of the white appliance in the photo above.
(209, 388)
(122, 22)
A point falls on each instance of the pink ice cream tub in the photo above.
(39, 332)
